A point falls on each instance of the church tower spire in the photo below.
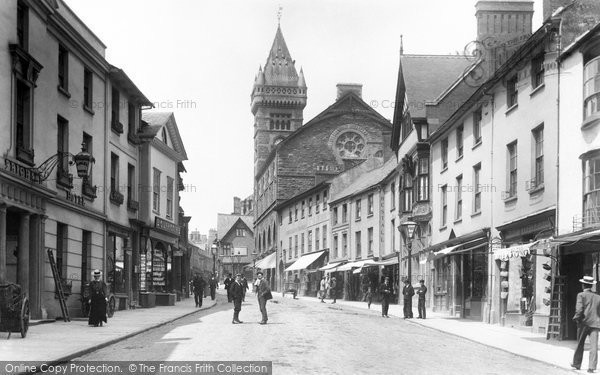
(278, 100)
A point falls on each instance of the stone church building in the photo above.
(291, 157)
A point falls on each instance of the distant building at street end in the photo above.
(292, 157)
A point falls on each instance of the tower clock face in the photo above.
(350, 145)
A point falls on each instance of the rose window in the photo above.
(350, 145)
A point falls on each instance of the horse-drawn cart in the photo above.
(14, 310)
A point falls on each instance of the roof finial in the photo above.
(401, 45)
(279, 12)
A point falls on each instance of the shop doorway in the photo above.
(475, 276)
(573, 267)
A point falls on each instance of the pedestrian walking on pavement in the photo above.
(387, 292)
(421, 306)
(98, 300)
(245, 288)
(332, 291)
(198, 285)
(227, 282)
(587, 317)
(369, 297)
(323, 288)
(237, 294)
(408, 292)
(213, 284)
(263, 293)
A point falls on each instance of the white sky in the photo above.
(206, 53)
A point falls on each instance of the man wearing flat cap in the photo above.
(237, 293)
(587, 316)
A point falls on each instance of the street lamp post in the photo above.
(213, 249)
(409, 227)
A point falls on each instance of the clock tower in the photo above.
(278, 100)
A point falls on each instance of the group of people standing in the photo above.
(386, 291)
(236, 293)
(328, 287)
(199, 285)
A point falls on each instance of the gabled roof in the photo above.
(158, 120)
(279, 68)
(366, 180)
(227, 222)
(428, 76)
(349, 103)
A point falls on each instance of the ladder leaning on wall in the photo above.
(556, 302)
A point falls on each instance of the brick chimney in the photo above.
(502, 26)
(345, 88)
(237, 206)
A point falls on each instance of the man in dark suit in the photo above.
(332, 289)
(227, 282)
(244, 288)
(587, 316)
(213, 284)
(237, 293)
(198, 285)
(408, 292)
(262, 288)
(387, 291)
(421, 306)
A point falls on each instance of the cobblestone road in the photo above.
(307, 338)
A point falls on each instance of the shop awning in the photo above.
(331, 266)
(305, 261)
(516, 251)
(387, 262)
(351, 265)
(451, 249)
(267, 262)
(575, 237)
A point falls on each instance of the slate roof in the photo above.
(349, 103)
(226, 222)
(280, 69)
(367, 180)
(427, 76)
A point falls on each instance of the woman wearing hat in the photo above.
(98, 300)
(587, 316)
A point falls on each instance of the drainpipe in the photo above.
(558, 62)
(490, 287)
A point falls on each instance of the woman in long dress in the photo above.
(98, 300)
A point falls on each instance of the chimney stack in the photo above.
(237, 206)
(345, 88)
(502, 27)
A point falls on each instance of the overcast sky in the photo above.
(199, 58)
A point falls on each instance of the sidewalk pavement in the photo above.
(61, 341)
(516, 341)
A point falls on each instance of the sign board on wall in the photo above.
(241, 251)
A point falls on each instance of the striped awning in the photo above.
(516, 251)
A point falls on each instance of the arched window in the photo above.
(164, 135)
